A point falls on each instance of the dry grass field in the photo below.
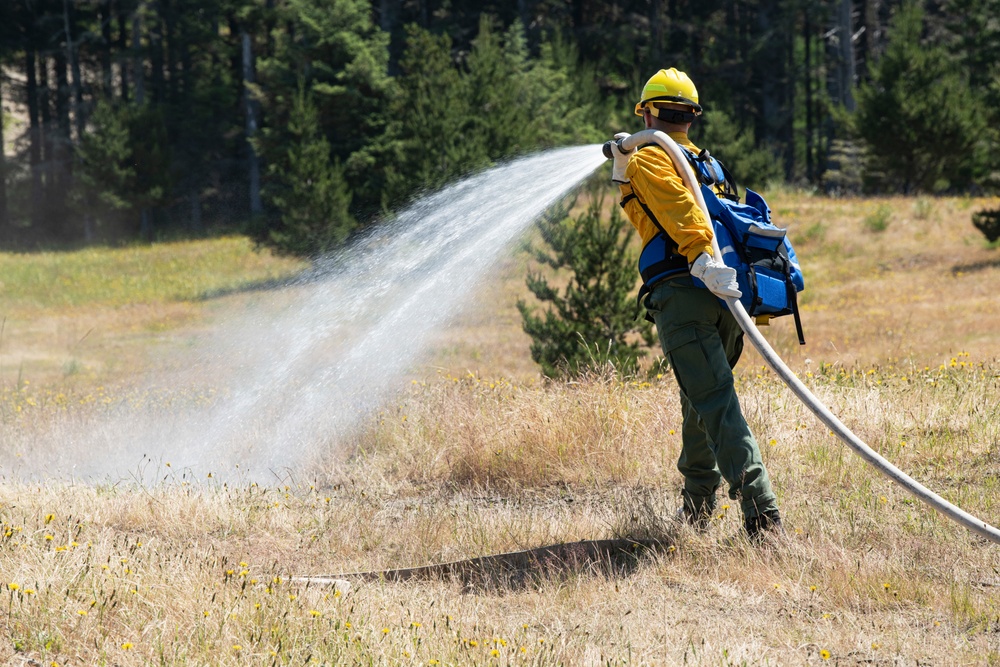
(477, 455)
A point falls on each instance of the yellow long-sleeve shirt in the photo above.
(655, 182)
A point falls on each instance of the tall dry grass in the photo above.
(467, 462)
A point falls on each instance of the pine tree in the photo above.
(124, 167)
(500, 121)
(309, 191)
(427, 144)
(106, 169)
(564, 104)
(751, 166)
(922, 122)
(335, 48)
(591, 323)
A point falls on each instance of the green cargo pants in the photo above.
(703, 342)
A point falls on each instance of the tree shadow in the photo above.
(517, 570)
(975, 266)
(266, 285)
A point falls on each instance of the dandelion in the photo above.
(49, 538)
(13, 586)
(415, 625)
(237, 648)
(473, 643)
(886, 586)
(81, 612)
(315, 613)
(126, 646)
(206, 613)
(29, 591)
(812, 589)
(49, 518)
(824, 654)
(385, 631)
(495, 653)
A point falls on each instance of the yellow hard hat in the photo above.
(669, 85)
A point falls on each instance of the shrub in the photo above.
(988, 222)
(592, 322)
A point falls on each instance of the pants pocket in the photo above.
(693, 365)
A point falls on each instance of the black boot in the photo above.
(767, 522)
(697, 510)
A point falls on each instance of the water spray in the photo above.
(776, 364)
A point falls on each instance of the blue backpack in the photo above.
(767, 269)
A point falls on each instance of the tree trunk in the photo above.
(5, 229)
(810, 129)
(847, 69)
(250, 106)
(196, 223)
(139, 74)
(158, 85)
(76, 88)
(48, 143)
(656, 23)
(170, 23)
(35, 135)
(104, 16)
(788, 121)
(123, 50)
(387, 14)
(138, 68)
(61, 150)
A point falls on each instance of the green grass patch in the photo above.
(180, 271)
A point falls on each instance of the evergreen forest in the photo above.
(299, 122)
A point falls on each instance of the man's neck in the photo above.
(669, 128)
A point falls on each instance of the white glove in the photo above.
(621, 160)
(718, 278)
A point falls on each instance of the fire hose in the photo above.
(953, 512)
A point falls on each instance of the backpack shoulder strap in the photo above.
(709, 170)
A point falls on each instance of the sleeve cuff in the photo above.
(693, 253)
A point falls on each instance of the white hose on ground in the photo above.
(953, 512)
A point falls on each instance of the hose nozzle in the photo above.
(606, 149)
